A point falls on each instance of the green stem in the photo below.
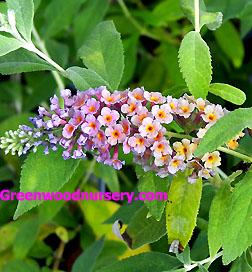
(221, 173)
(197, 15)
(142, 30)
(208, 260)
(131, 18)
(235, 154)
(45, 55)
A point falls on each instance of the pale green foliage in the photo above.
(22, 61)
(195, 64)
(8, 44)
(102, 52)
(212, 20)
(228, 92)
(85, 78)
(232, 123)
(46, 176)
(24, 12)
(182, 208)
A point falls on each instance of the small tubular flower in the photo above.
(212, 160)
(99, 122)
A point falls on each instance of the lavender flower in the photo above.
(98, 122)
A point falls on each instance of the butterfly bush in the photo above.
(136, 121)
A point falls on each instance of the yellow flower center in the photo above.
(185, 109)
(108, 118)
(211, 117)
(161, 114)
(150, 128)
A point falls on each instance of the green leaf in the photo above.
(46, 176)
(40, 250)
(212, 20)
(246, 19)
(86, 261)
(232, 123)
(48, 209)
(24, 12)
(58, 15)
(230, 8)
(230, 42)
(21, 61)
(228, 92)
(9, 231)
(238, 236)
(109, 175)
(8, 44)
(241, 265)
(195, 64)
(130, 51)
(143, 230)
(169, 57)
(21, 266)
(149, 182)
(182, 208)
(151, 261)
(91, 14)
(218, 215)
(102, 52)
(166, 11)
(59, 52)
(125, 213)
(25, 237)
(85, 78)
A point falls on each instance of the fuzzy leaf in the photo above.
(238, 236)
(228, 92)
(232, 123)
(195, 64)
(149, 182)
(46, 176)
(212, 20)
(217, 215)
(182, 208)
(21, 61)
(85, 78)
(102, 52)
(24, 12)
(8, 44)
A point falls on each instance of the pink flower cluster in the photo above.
(136, 121)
